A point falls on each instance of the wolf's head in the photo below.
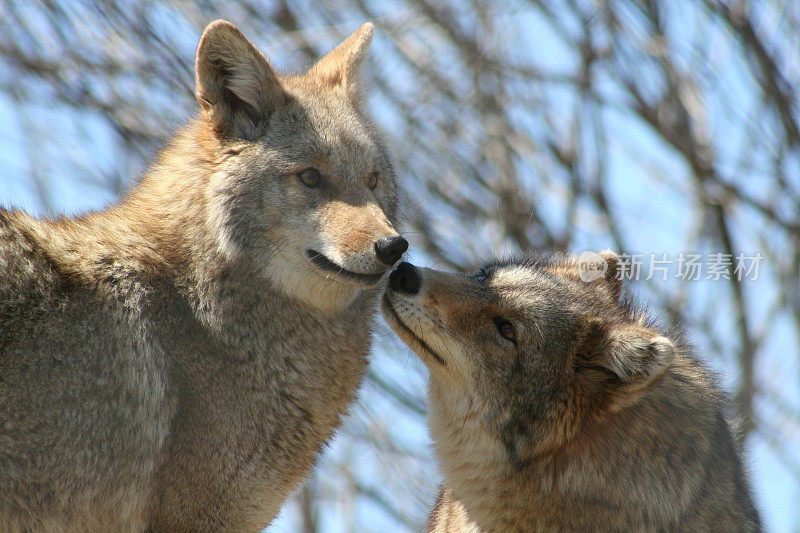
(302, 185)
(526, 347)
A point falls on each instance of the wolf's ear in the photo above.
(622, 361)
(613, 273)
(637, 356)
(234, 84)
(342, 66)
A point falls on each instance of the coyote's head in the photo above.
(526, 348)
(302, 185)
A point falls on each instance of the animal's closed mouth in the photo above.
(396, 318)
(324, 263)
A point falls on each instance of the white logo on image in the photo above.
(591, 266)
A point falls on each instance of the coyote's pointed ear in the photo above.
(622, 361)
(235, 85)
(342, 66)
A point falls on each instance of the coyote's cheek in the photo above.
(355, 243)
(336, 249)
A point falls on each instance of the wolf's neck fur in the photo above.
(473, 461)
(497, 494)
(613, 472)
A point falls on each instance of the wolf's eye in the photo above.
(506, 329)
(310, 177)
(372, 182)
(481, 275)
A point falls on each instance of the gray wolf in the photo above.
(176, 362)
(555, 404)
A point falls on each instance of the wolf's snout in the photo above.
(405, 278)
(390, 249)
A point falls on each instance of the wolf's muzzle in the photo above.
(405, 279)
(398, 325)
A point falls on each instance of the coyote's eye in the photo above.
(372, 182)
(310, 177)
(505, 329)
(482, 274)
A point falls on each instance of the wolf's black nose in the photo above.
(390, 249)
(405, 278)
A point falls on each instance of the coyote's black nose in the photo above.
(390, 249)
(405, 279)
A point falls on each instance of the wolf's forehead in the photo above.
(512, 276)
(530, 287)
(517, 284)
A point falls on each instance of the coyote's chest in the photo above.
(252, 416)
